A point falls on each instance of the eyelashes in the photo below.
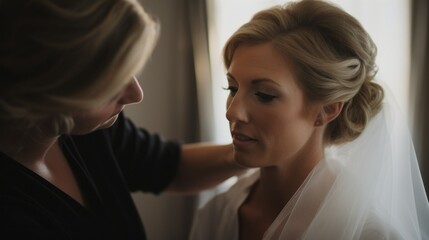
(261, 96)
(232, 90)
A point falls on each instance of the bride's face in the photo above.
(269, 120)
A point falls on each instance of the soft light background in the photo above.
(183, 81)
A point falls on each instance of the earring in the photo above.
(318, 123)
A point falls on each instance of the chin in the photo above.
(109, 122)
(246, 162)
(88, 128)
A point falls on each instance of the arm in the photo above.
(204, 166)
(151, 164)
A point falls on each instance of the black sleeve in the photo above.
(146, 161)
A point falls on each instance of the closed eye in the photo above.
(263, 97)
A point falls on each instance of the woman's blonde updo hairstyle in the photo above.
(333, 59)
(61, 56)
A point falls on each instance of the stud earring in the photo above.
(318, 123)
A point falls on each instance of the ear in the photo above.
(329, 113)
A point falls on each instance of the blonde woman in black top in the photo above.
(68, 156)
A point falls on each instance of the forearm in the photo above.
(203, 166)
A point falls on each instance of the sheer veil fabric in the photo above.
(370, 188)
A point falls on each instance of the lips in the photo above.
(241, 136)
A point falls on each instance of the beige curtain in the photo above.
(420, 84)
(197, 19)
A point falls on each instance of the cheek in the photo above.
(287, 133)
(89, 117)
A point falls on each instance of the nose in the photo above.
(236, 110)
(133, 93)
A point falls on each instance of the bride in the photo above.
(334, 158)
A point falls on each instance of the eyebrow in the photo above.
(256, 80)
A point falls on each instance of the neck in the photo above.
(29, 147)
(277, 184)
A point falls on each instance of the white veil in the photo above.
(370, 188)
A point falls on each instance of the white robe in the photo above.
(218, 219)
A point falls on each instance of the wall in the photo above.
(168, 108)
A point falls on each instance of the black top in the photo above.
(108, 164)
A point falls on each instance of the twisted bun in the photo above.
(356, 114)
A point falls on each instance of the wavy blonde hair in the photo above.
(59, 56)
(333, 59)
